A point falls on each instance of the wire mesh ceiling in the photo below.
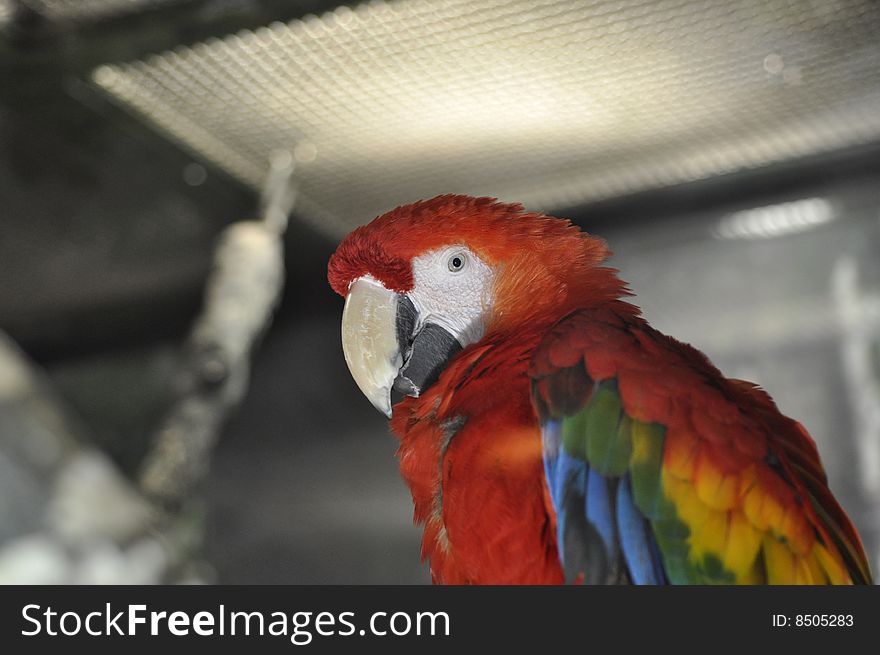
(550, 103)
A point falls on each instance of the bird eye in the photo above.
(456, 262)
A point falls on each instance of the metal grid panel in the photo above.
(551, 103)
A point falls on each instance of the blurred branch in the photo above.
(279, 194)
(242, 292)
(67, 515)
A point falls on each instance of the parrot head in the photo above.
(426, 280)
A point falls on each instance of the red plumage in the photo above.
(470, 445)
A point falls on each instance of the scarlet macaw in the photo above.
(548, 433)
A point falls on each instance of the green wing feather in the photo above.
(703, 461)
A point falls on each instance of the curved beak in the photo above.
(386, 346)
(369, 340)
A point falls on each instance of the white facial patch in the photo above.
(453, 289)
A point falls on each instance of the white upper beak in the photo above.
(369, 340)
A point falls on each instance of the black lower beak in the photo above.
(425, 353)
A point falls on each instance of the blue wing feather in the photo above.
(551, 433)
(600, 509)
(613, 517)
(570, 477)
(585, 514)
(636, 540)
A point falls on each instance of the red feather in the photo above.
(470, 446)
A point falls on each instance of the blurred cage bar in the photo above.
(569, 107)
(550, 103)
